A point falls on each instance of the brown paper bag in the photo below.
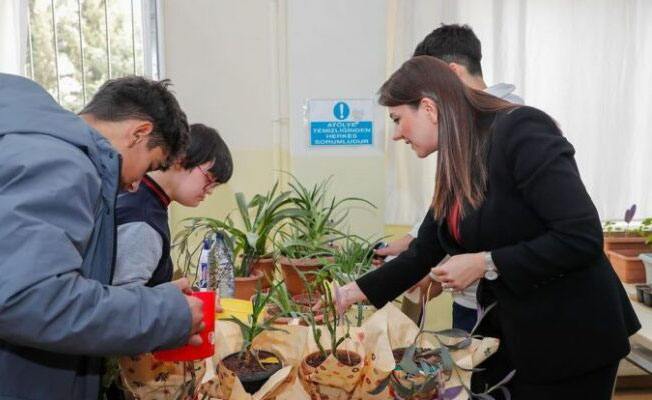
(148, 378)
(386, 329)
(287, 346)
(390, 329)
(332, 379)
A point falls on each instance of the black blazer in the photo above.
(561, 309)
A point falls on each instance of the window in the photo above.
(76, 45)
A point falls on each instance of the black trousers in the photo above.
(594, 385)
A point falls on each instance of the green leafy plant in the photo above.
(351, 258)
(332, 317)
(313, 232)
(611, 228)
(257, 219)
(426, 370)
(281, 304)
(645, 228)
(256, 325)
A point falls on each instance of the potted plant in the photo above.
(253, 367)
(330, 372)
(307, 239)
(249, 238)
(284, 308)
(351, 259)
(623, 250)
(422, 372)
(618, 236)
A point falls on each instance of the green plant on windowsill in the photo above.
(612, 229)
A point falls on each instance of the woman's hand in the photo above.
(394, 248)
(460, 271)
(428, 288)
(344, 297)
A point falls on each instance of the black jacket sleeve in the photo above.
(545, 174)
(394, 277)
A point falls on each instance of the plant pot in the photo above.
(145, 377)
(247, 287)
(251, 375)
(647, 297)
(331, 378)
(647, 263)
(292, 267)
(628, 265)
(303, 304)
(612, 243)
(267, 266)
(639, 292)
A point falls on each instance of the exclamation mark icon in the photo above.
(341, 110)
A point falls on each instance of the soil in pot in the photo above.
(251, 374)
(348, 358)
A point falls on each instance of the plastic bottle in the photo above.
(203, 264)
(220, 262)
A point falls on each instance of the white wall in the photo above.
(336, 50)
(246, 67)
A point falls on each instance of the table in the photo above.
(641, 341)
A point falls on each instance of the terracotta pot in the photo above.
(627, 265)
(247, 287)
(302, 300)
(267, 266)
(304, 265)
(625, 243)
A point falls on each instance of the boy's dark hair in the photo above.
(207, 145)
(144, 99)
(453, 43)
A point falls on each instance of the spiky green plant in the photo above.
(255, 324)
(314, 231)
(250, 234)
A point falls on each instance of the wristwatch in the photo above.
(490, 270)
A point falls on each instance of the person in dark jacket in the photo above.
(143, 255)
(59, 177)
(510, 209)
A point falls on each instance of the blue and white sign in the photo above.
(341, 122)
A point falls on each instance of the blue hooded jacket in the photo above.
(59, 179)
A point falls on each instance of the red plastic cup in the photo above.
(207, 348)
